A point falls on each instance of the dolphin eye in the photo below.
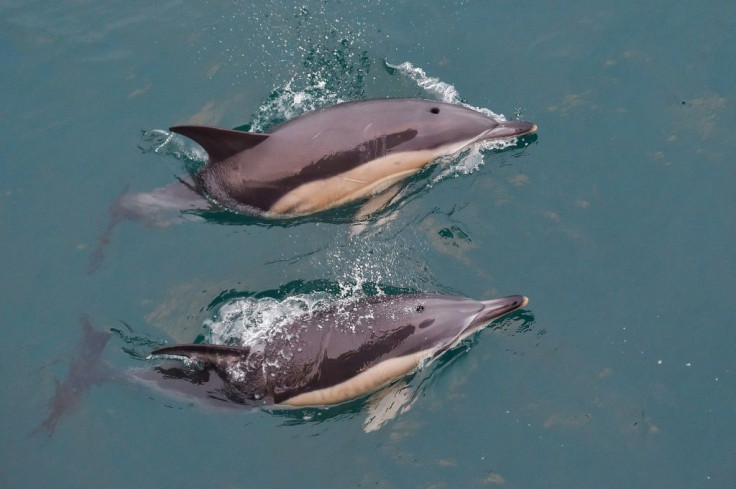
(435, 110)
(420, 308)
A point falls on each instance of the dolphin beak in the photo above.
(496, 308)
(509, 129)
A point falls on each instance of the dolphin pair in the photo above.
(331, 356)
(314, 162)
(339, 154)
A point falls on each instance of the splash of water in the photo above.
(439, 89)
(357, 274)
(434, 86)
(246, 321)
(292, 100)
(249, 320)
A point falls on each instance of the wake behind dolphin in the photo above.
(331, 356)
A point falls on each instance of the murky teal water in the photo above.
(618, 222)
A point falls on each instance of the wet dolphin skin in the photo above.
(331, 356)
(339, 154)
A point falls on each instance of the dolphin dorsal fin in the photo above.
(220, 144)
(216, 355)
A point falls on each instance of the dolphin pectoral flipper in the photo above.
(373, 205)
(386, 404)
(217, 355)
(378, 201)
(220, 144)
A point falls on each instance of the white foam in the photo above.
(444, 91)
(288, 102)
(249, 320)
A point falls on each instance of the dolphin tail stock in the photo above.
(220, 144)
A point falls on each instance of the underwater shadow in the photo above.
(85, 372)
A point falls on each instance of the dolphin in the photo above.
(314, 162)
(329, 357)
(335, 155)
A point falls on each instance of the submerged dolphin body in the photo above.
(331, 356)
(336, 155)
(86, 371)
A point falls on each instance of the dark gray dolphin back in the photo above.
(427, 124)
(332, 346)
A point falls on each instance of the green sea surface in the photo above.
(618, 221)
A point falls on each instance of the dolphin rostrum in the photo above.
(339, 154)
(331, 356)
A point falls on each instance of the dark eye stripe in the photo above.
(425, 323)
